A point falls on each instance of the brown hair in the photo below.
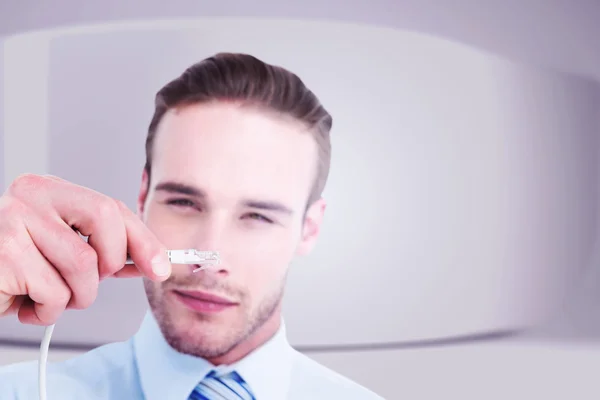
(248, 80)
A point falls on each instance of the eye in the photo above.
(259, 217)
(184, 203)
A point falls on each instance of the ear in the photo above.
(311, 227)
(143, 194)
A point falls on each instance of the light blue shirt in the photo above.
(147, 368)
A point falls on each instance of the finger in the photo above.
(27, 272)
(93, 214)
(74, 259)
(54, 178)
(14, 241)
(146, 251)
(13, 306)
(109, 239)
(101, 221)
(48, 294)
(128, 271)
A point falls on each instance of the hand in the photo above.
(46, 267)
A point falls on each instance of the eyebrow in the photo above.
(189, 190)
(179, 188)
(268, 206)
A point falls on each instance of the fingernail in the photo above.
(161, 265)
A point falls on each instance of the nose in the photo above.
(210, 237)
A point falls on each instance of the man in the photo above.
(238, 154)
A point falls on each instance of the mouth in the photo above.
(202, 302)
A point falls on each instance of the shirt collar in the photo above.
(267, 370)
(165, 373)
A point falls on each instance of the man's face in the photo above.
(235, 180)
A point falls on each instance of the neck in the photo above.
(258, 338)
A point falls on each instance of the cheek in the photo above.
(261, 265)
(264, 245)
(265, 282)
(172, 235)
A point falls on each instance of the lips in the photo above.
(207, 297)
(204, 303)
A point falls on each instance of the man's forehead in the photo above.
(225, 142)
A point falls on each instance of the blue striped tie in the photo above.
(230, 386)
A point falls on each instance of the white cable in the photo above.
(44, 361)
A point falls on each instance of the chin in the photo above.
(201, 338)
